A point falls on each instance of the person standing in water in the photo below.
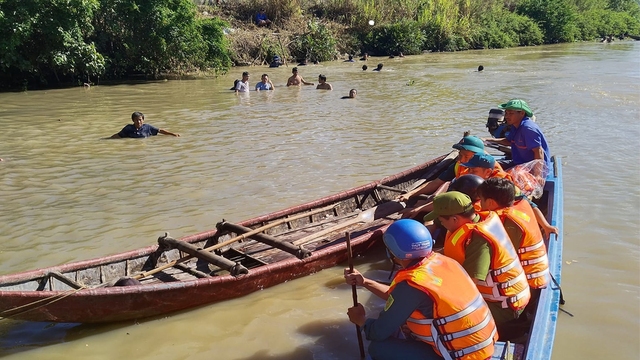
(296, 79)
(139, 129)
(323, 84)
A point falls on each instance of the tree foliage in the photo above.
(556, 18)
(43, 42)
(500, 28)
(391, 39)
(47, 40)
(317, 43)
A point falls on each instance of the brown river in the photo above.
(67, 194)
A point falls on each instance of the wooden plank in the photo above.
(69, 282)
(219, 261)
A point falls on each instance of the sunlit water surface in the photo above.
(67, 194)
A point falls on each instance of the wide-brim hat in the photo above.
(470, 143)
(517, 104)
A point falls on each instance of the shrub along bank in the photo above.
(50, 42)
(322, 29)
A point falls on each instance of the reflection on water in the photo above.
(68, 194)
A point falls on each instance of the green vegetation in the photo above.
(323, 29)
(53, 42)
(49, 42)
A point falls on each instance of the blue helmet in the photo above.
(408, 239)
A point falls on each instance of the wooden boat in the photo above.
(231, 261)
(256, 254)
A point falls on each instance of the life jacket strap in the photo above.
(538, 274)
(525, 249)
(505, 268)
(534, 261)
(481, 345)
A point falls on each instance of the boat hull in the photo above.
(23, 296)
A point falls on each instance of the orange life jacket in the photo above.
(499, 173)
(460, 170)
(532, 251)
(506, 281)
(462, 326)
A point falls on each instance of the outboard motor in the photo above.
(495, 123)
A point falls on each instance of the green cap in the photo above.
(517, 104)
(449, 203)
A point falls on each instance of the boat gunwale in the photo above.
(543, 328)
(31, 275)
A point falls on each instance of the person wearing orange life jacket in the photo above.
(483, 166)
(481, 245)
(468, 184)
(518, 219)
(467, 147)
(432, 295)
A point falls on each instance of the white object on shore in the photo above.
(371, 22)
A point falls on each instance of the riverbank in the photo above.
(67, 195)
(330, 30)
(181, 38)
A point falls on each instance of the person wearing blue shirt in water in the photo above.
(525, 137)
(264, 84)
(139, 129)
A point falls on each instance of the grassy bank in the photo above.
(325, 29)
(50, 43)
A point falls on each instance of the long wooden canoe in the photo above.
(231, 261)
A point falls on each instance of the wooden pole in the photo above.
(239, 237)
(354, 292)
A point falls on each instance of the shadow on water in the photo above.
(333, 340)
(336, 339)
(19, 336)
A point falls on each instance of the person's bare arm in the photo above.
(165, 132)
(538, 153)
(304, 82)
(356, 278)
(427, 188)
(547, 228)
(500, 141)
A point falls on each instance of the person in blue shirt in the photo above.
(525, 137)
(264, 84)
(262, 19)
(139, 129)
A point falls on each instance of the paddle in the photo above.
(232, 240)
(354, 292)
(367, 216)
